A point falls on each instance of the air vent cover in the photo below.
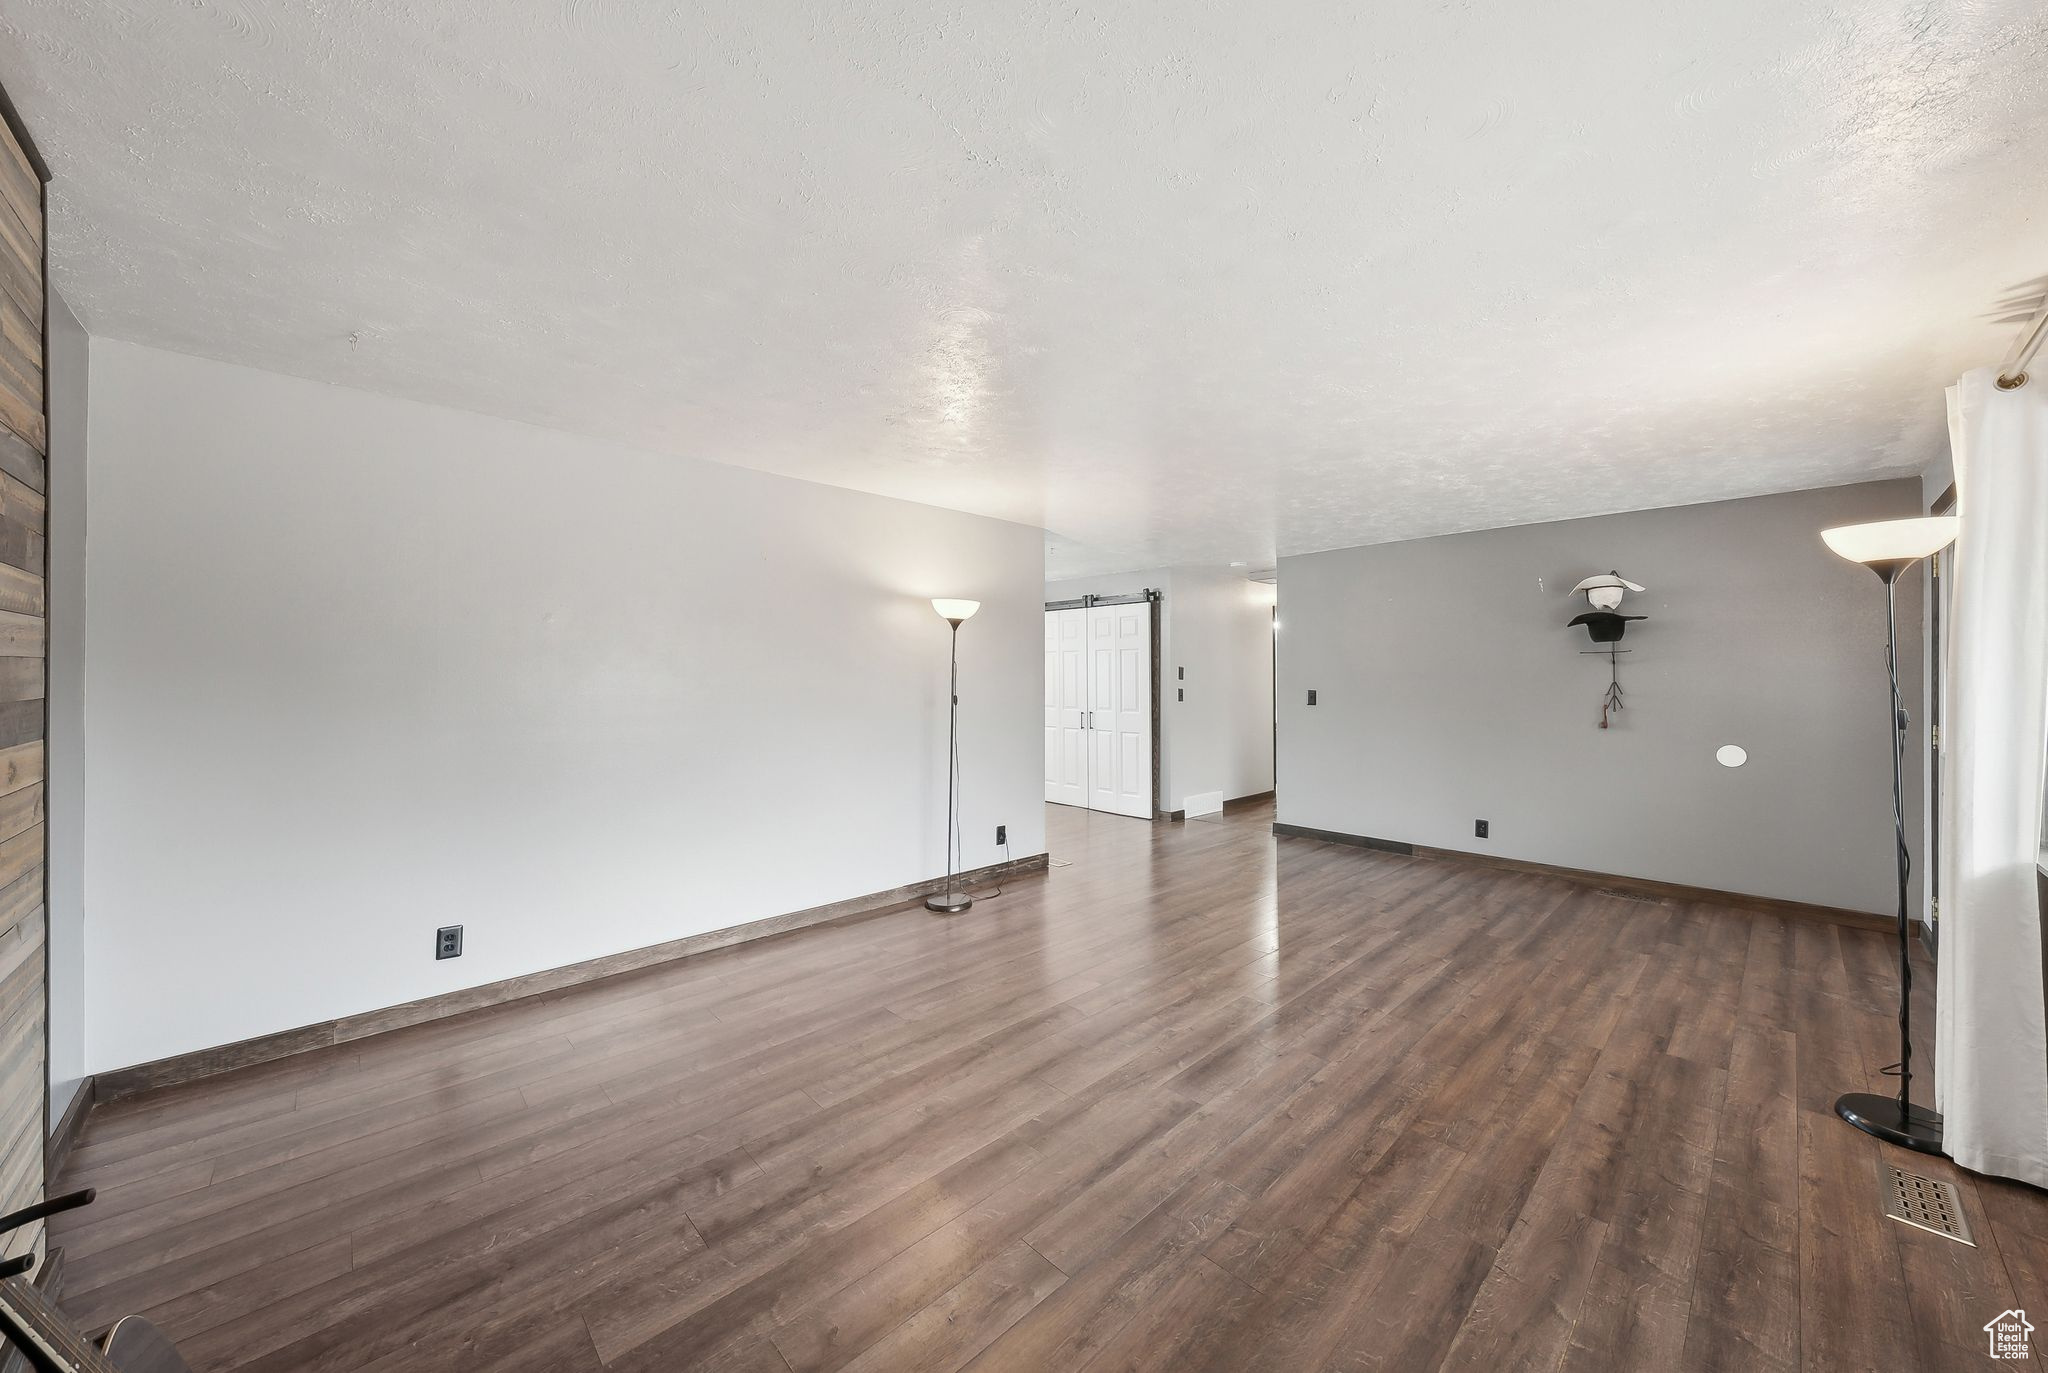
(1925, 1204)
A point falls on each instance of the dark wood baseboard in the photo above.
(57, 1147)
(1356, 841)
(165, 1072)
(1638, 886)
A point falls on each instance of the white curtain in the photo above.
(1991, 1045)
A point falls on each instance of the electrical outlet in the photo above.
(1181, 694)
(1479, 828)
(1311, 695)
(1002, 835)
(1183, 674)
(448, 942)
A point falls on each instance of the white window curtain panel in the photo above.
(1991, 1044)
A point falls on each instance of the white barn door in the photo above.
(1120, 709)
(1098, 708)
(1066, 707)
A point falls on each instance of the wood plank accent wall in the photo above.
(24, 1046)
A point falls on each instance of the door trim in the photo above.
(1153, 597)
(1937, 685)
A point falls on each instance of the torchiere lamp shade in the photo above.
(1894, 543)
(953, 612)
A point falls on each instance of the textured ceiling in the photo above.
(1179, 281)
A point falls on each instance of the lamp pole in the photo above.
(952, 901)
(1898, 1120)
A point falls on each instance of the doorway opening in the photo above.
(1102, 703)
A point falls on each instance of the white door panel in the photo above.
(1133, 716)
(1101, 708)
(1066, 707)
(1121, 706)
(1098, 708)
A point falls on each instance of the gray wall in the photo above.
(1450, 690)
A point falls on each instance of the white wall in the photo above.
(1450, 690)
(1216, 727)
(70, 353)
(1223, 730)
(362, 667)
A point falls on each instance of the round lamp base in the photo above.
(1909, 1127)
(948, 903)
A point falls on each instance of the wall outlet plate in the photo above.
(1311, 695)
(1480, 828)
(448, 942)
(1002, 834)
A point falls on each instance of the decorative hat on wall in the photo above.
(1605, 623)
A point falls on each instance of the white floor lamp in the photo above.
(953, 900)
(1889, 548)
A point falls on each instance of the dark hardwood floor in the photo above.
(1199, 1100)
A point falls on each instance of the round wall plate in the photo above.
(1731, 755)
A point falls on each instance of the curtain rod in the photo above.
(2012, 373)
